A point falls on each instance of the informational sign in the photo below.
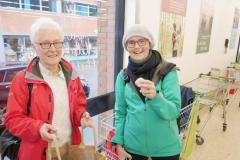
(233, 36)
(172, 21)
(205, 26)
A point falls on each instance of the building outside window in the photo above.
(34, 4)
(68, 7)
(77, 47)
(49, 5)
(80, 9)
(92, 10)
(38, 5)
(18, 49)
(10, 3)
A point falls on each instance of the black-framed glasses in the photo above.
(47, 45)
(132, 43)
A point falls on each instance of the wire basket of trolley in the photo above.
(107, 132)
(233, 71)
(187, 123)
(214, 90)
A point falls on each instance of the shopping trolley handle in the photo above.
(204, 74)
(235, 66)
(198, 94)
(231, 67)
(231, 79)
(232, 62)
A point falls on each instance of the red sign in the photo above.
(174, 6)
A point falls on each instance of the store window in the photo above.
(89, 38)
(89, 43)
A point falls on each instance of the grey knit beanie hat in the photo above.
(137, 30)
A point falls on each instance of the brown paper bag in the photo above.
(75, 152)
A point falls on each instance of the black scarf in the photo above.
(145, 69)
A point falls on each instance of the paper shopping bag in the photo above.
(75, 152)
(84, 152)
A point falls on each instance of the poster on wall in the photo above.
(233, 36)
(205, 26)
(172, 21)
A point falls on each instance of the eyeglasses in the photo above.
(132, 43)
(47, 45)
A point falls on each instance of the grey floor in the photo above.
(220, 145)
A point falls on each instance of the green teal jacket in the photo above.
(150, 128)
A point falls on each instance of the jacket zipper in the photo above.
(49, 98)
(49, 114)
(52, 108)
(146, 134)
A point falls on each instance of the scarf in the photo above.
(143, 69)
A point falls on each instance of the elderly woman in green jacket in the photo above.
(147, 102)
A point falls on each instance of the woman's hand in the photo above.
(86, 120)
(147, 87)
(122, 153)
(48, 132)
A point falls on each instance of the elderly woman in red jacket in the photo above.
(58, 103)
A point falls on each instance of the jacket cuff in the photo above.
(117, 139)
(157, 98)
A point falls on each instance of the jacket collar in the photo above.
(162, 70)
(33, 70)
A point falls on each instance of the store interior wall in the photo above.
(190, 63)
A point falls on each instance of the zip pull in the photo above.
(49, 98)
(49, 114)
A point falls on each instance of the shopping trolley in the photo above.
(234, 71)
(230, 78)
(214, 89)
(187, 127)
(108, 132)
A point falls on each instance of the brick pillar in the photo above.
(106, 42)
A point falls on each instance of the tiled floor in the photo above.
(220, 145)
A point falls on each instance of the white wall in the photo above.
(191, 64)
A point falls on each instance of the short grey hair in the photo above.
(44, 23)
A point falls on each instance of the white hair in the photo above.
(44, 23)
